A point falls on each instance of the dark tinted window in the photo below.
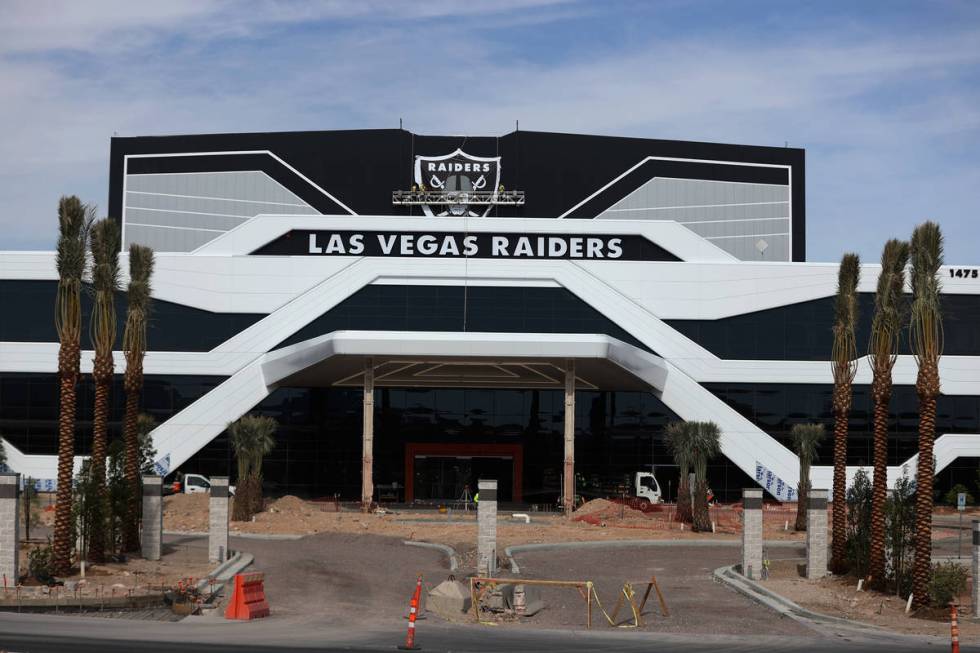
(775, 408)
(455, 308)
(29, 407)
(172, 327)
(803, 331)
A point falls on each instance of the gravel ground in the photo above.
(343, 578)
(697, 604)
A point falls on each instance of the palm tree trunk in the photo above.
(684, 498)
(102, 374)
(68, 363)
(842, 409)
(131, 538)
(881, 393)
(927, 386)
(803, 490)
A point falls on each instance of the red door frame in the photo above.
(412, 449)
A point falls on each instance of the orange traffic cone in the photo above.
(413, 611)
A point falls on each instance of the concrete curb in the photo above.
(246, 536)
(445, 548)
(511, 551)
(226, 570)
(778, 603)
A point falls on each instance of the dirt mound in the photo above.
(599, 510)
(288, 504)
(185, 512)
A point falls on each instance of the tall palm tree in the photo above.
(886, 328)
(805, 438)
(74, 219)
(677, 436)
(705, 438)
(844, 357)
(926, 338)
(104, 244)
(134, 347)
(251, 439)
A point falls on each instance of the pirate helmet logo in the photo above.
(457, 175)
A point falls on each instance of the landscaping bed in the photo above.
(837, 596)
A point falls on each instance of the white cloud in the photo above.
(878, 113)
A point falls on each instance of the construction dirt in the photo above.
(596, 520)
(837, 596)
(136, 575)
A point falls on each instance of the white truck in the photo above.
(193, 484)
(646, 489)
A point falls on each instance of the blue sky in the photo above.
(885, 97)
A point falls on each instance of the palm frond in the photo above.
(886, 324)
(138, 294)
(104, 245)
(844, 354)
(74, 220)
(805, 438)
(926, 255)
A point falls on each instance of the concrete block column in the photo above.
(816, 534)
(218, 520)
(486, 517)
(9, 526)
(151, 539)
(752, 533)
(975, 556)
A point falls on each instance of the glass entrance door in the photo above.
(449, 478)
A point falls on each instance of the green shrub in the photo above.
(39, 563)
(859, 524)
(948, 581)
(900, 534)
(950, 498)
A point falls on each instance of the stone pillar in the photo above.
(218, 520)
(752, 533)
(816, 534)
(486, 517)
(569, 475)
(975, 557)
(9, 526)
(367, 454)
(151, 539)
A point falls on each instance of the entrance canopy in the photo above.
(453, 359)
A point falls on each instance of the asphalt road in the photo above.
(61, 635)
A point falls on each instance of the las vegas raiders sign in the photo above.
(457, 174)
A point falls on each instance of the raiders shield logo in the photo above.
(457, 174)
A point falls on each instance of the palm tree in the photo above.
(886, 328)
(926, 338)
(805, 438)
(104, 244)
(74, 219)
(677, 436)
(705, 439)
(251, 438)
(844, 367)
(134, 347)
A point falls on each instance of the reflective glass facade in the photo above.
(803, 331)
(776, 407)
(495, 309)
(172, 327)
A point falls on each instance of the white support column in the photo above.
(816, 534)
(569, 476)
(152, 534)
(367, 456)
(218, 519)
(752, 533)
(9, 527)
(975, 550)
(486, 518)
